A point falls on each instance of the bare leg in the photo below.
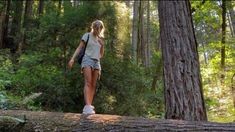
(95, 74)
(88, 85)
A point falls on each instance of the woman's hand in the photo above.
(71, 62)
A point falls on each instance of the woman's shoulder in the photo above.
(85, 36)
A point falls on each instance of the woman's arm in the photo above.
(101, 41)
(78, 50)
(71, 62)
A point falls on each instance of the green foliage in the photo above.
(207, 21)
(125, 89)
(219, 95)
(2, 5)
(3, 100)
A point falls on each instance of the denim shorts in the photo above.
(89, 62)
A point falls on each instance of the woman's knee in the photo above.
(88, 84)
(93, 86)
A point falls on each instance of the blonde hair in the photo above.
(98, 24)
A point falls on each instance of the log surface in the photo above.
(57, 121)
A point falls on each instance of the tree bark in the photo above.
(28, 12)
(182, 80)
(135, 30)
(148, 35)
(15, 33)
(2, 21)
(40, 7)
(55, 121)
(142, 35)
(223, 40)
(27, 21)
(16, 22)
(5, 20)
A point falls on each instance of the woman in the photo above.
(90, 65)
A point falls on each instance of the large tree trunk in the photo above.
(72, 122)
(182, 80)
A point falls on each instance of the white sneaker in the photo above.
(88, 109)
(92, 107)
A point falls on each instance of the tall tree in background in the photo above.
(40, 7)
(148, 35)
(27, 21)
(28, 12)
(139, 33)
(135, 30)
(16, 23)
(141, 47)
(16, 20)
(182, 79)
(223, 40)
(59, 6)
(15, 33)
(2, 21)
(231, 13)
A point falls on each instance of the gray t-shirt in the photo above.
(93, 46)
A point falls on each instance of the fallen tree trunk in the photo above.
(18, 120)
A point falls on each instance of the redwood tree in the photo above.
(182, 80)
